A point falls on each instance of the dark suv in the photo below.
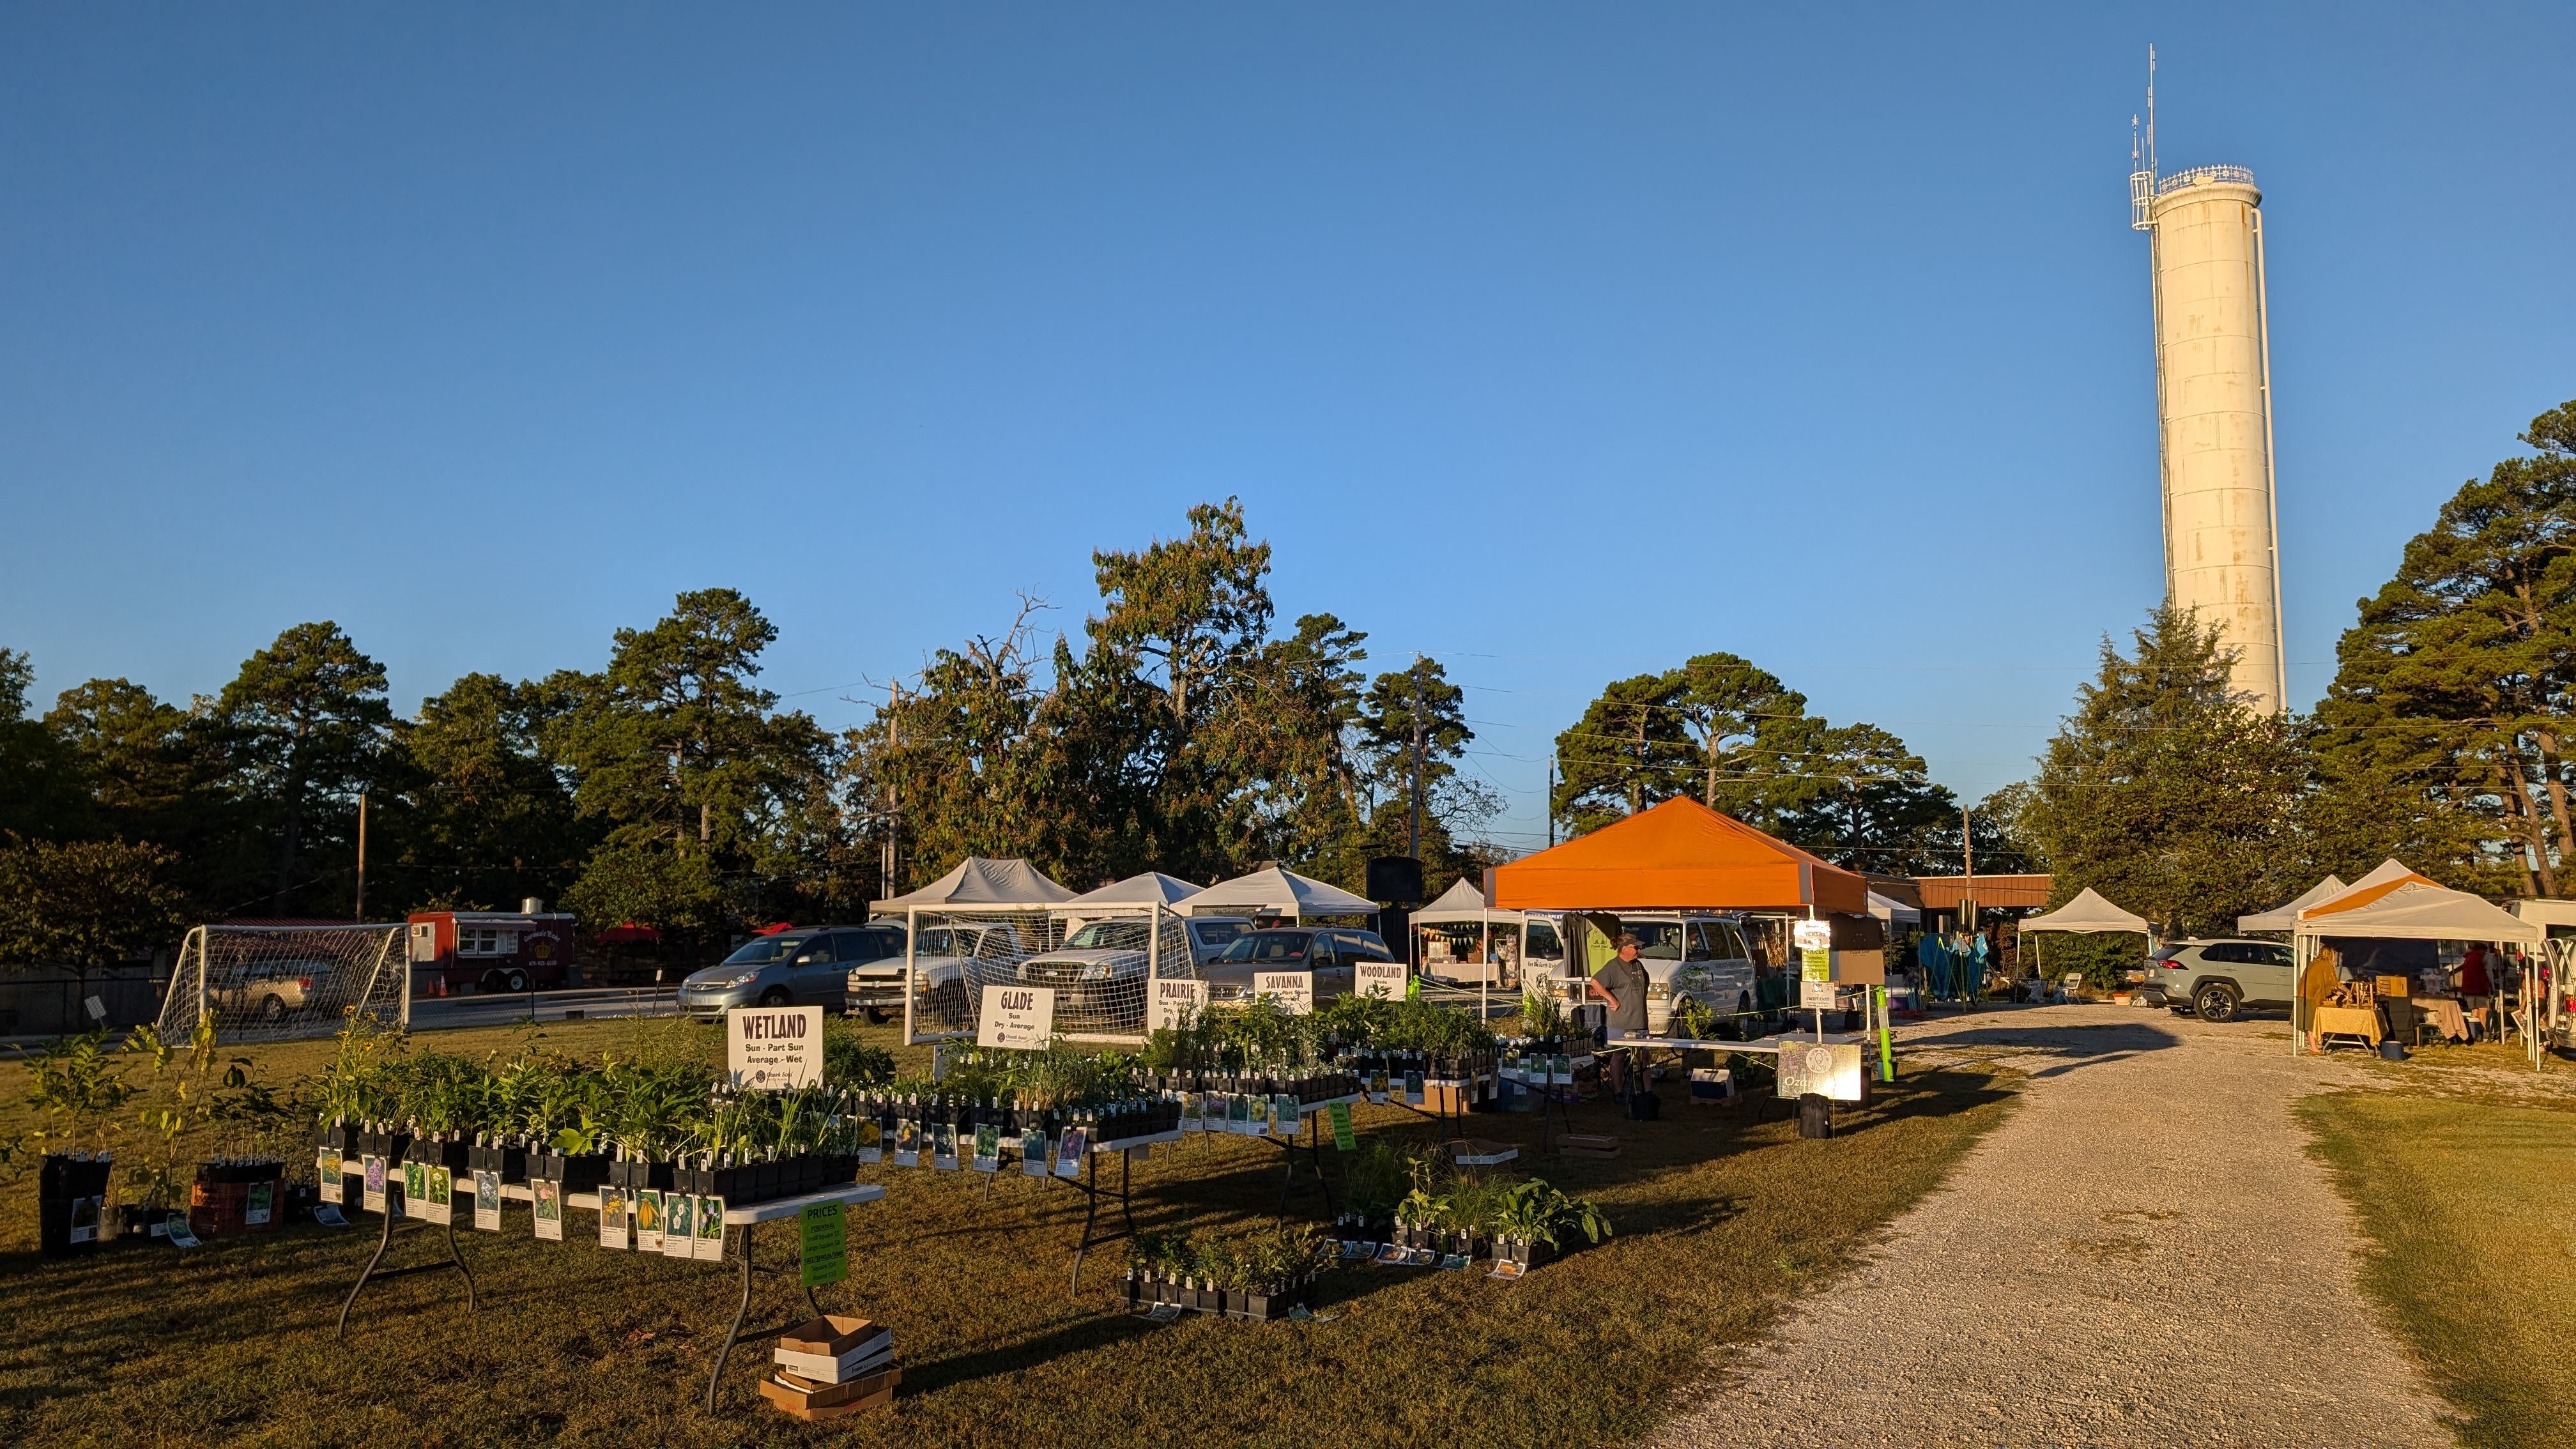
(2214, 979)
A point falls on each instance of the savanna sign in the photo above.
(1379, 978)
(1293, 990)
(773, 1048)
(1172, 1000)
(1020, 1017)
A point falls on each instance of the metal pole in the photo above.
(911, 943)
(362, 856)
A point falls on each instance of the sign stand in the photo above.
(384, 1240)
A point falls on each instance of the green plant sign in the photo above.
(825, 1230)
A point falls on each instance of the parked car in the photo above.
(270, 990)
(804, 967)
(2216, 979)
(1099, 972)
(1687, 957)
(876, 986)
(1331, 952)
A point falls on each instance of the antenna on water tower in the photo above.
(2142, 159)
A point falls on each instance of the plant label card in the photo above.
(1068, 1152)
(1560, 1071)
(545, 1202)
(1377, 1089)
(373, 1199)
(1344, 1139)
(487, 1202)
(1033, 1153)
(1413, 1093)
(648, 1219)
(1393, 1255)
(907, 1143)
(1508, 1271)
(613, 1230)
(824, 1243)
(1285, 1115)
(1453, 1262)
(1175, 1002)
(1018, 1018)
(326, 1173)
(1193, 1112)
(415, 1181)
(774, 1048)
(1238, 1112)
(943, 1146)
(871, 1143)
(988, 1148)
(182, 1233)
(679, 1225)
(711, 1212)
(259, 1204)
(435, 1200)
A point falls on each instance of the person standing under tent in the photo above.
(1622, 983)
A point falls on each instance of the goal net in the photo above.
(1101, 966)
(268, 983)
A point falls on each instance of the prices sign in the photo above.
(1293, 990)
(1380, 978)
(1022, 1017)
(1172, 1001)
(773, 1048)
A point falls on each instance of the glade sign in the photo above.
(1018, 1017)
(773, 1048)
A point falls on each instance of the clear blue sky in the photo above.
(1562, 342)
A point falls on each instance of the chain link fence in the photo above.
(1101, 966)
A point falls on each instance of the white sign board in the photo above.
(1379, 978)
(773, 1048)
(1815, 994)
(1173, 1000)
(1021, 1017)
(1293, 990)
(1812, 935)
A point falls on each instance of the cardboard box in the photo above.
(869, 1355)
(792, 1392)
(830, 1335)
(1581, 1144)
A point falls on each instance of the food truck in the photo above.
(470, 953)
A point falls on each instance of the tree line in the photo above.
(1181, 727)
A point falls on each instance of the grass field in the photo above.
(1720, 1221)
(2470, 1208)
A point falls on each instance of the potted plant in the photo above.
(1534, 1223)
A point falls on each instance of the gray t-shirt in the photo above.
(1625, 980)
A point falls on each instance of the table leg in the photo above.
(1126, 1196)
(716, 1378)
(1089, 1216)
(453, 1252)
(383, 1242)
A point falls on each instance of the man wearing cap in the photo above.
(1622, 983)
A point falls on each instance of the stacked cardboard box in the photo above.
(833, 1366)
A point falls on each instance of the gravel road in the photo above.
(2142, 1254)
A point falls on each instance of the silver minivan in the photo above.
(809, 966)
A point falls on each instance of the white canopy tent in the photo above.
(1893, 912)
(2408, 908)
(2086, 915)
(2286, 918)
(1153, 888)
(1463, 904)
(997, 910)
(983, 884)
(1274, 891)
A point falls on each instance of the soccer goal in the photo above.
(270, 983)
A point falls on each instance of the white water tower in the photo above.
(2204, 231)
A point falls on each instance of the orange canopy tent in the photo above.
(1680, 854)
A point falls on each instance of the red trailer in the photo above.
(466, 953)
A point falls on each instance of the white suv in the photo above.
(2214, 979)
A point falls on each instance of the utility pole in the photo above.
(1968, 873)
(362, 855)
(1551, 800)
(1415, 848)
(886, 861)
